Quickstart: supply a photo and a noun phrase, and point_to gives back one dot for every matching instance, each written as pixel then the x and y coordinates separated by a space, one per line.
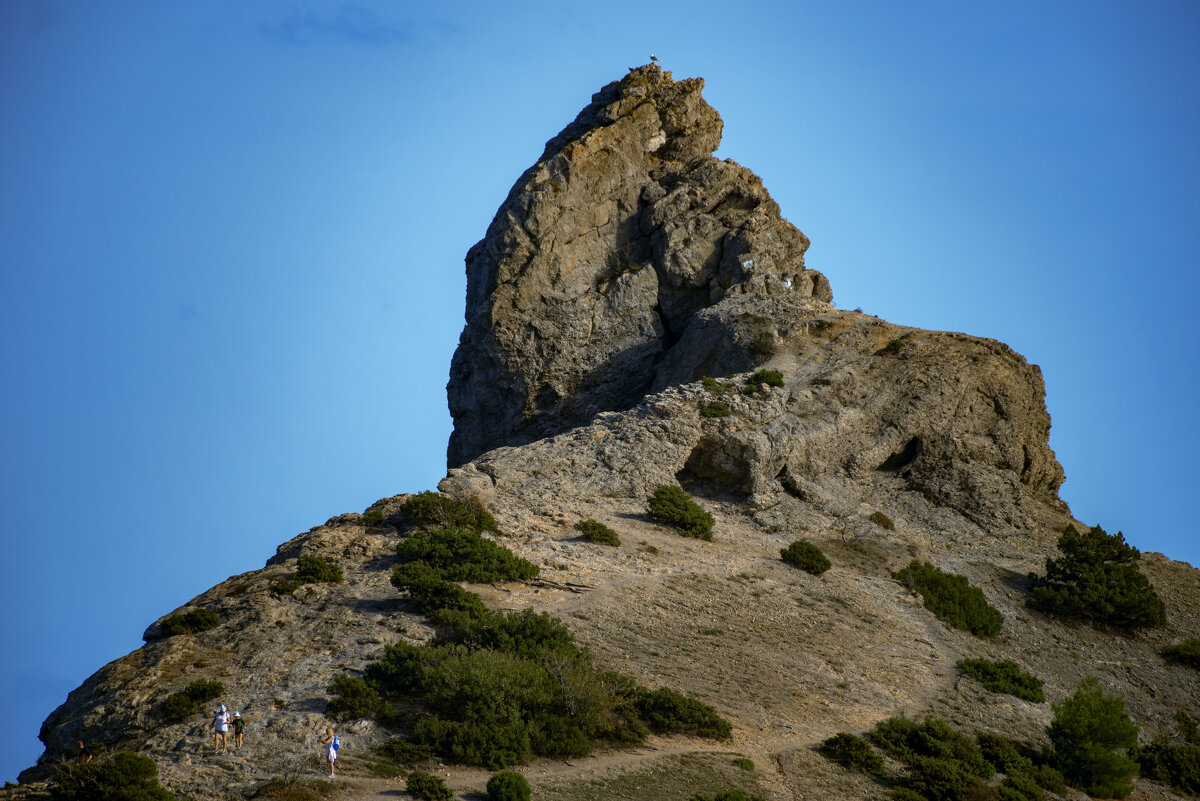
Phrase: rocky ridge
pixel 627 264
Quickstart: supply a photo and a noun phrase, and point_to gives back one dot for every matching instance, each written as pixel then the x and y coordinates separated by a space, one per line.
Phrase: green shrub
pixel 1187 727
pixel 882 520
pixel 353 699
pixel 1049 778
pixel 772 378
pixel 594 531
pixel 178 707
pixel 124 776
pixel 1175 764
pixel 460 554
pixel 1004 676
pixel 280 789
pixel 745 764
pixel 668 712
pixel 191 622
pixel 1018 786
pixel 181 706
pixel 671 506
pixel 374 518
pixel 1184 653
pixel 952 598
pixel 939 779
pixel 1006 755
pixel 805 556
pixel 403 752
pixel 525 633
pixel 427 787
pixel 711 384
pixel 1096 579
pixel 1089 732
pixel 315 570
pixel 202 690
pixel 715 409
pixel 908 741
pixel 507 785
pixel 727 795
pixel 852 753
pixel 433 510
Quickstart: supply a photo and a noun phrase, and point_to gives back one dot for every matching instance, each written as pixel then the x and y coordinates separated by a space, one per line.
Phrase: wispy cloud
pixel 349 23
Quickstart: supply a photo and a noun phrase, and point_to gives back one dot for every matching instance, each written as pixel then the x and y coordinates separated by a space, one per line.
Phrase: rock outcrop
pixel 601 256
pixel 617 312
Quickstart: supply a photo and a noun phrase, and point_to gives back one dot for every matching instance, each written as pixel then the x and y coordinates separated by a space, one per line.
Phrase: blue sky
pixel 231 243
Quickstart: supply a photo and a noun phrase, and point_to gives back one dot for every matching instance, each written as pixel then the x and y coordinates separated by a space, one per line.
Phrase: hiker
pixel 239 726
pixel 220 726
pixel 331 744
pixel 83 755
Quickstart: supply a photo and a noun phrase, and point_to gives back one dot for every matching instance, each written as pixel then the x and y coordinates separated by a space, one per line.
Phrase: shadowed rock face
pixel 599 259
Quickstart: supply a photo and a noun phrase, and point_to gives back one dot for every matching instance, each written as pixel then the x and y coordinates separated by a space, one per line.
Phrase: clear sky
pixel 231 244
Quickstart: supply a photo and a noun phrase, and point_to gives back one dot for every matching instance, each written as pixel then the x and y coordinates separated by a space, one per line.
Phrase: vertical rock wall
pixel 599 259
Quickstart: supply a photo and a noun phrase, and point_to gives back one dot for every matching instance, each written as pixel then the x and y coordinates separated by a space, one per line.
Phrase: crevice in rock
pixel 670 337
pixel 903 457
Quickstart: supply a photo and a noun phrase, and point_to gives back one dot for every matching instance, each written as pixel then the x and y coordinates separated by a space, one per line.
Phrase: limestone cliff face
pixel 601 256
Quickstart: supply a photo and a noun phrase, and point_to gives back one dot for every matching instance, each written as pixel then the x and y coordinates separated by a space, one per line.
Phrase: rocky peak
pixel 596 264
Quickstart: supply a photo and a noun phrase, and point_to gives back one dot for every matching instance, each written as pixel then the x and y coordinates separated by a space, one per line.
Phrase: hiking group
pixel 222 723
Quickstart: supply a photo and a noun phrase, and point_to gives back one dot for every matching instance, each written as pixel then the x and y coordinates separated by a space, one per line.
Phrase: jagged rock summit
pixel 624 267
pixel 598 261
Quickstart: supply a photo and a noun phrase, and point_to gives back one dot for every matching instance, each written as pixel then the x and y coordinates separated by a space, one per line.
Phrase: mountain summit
pixel 639 317
pixel 599 260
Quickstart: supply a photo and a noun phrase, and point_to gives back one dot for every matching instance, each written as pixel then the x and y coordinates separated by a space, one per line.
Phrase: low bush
pixel 353 699
pixel 1096 578
pixel 771 378
pixel 908 741
pixel 1006 755
pixel 180 706
pixel 1018 786
pixel 952 598
pixel 1091 736
pixel 124 776
pixel 745 764
pixel 852 753
pixel 191 622
pixel 595 531
pixel 1004 676
pixel 280 789
pixel 727 795
pixel 668 712
pixel 427 787
pixel 671 506
pixel 938 779
pixel 507 785
pixel 402 752
pixel 882 520
pixel 805 556
pixel 715 409
pixel 1174 764
pixel 374 518
pixel 1184 653
pixel 315 570
pixel 434 510
pixel 460 554
pixel 1187 727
